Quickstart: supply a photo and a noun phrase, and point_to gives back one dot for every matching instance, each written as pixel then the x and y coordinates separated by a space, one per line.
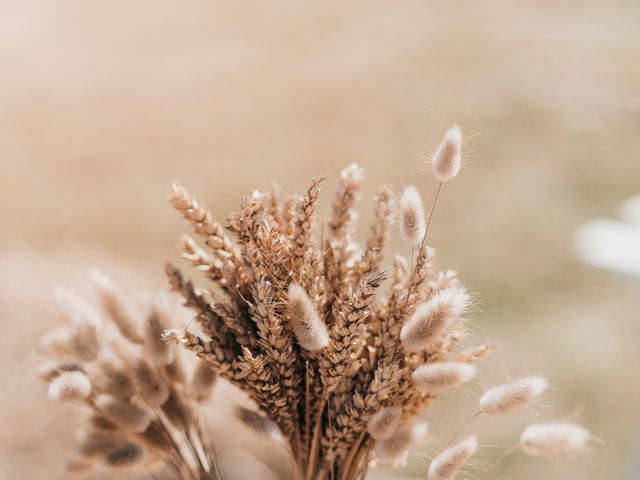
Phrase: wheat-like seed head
pixel 403 439
pixel 434 320
pixel 308 327
pixel 447 159
pixel 70 386
pixel 151 387
pixel 204 378
pixel 448 463
pixel 383 423
pixel 512 396
pixel 411 216
pixel 125 415
pixel 124 456
pixel 553 439
pixel 258 423
pixel 433 377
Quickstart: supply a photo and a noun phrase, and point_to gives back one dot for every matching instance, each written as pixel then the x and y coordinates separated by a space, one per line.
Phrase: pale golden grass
pixel 295 317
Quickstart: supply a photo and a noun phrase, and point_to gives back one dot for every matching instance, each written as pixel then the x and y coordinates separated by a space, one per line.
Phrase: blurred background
pixel 102 104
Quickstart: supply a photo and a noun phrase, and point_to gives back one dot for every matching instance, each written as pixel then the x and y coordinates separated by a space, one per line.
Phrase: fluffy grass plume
pixel 553 439
pixel 448 463
pixel 513 396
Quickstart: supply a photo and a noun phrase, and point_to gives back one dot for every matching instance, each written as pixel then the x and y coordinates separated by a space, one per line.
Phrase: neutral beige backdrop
pixel 103 103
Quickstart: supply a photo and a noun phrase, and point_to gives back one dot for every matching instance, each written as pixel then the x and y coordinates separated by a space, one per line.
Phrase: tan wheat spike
pixel 204 262
pixel 346 195
pixel 302 252
pixel 211 323
pixel 339 249
pixel 346 335
pixel 202 221
pixel 379 235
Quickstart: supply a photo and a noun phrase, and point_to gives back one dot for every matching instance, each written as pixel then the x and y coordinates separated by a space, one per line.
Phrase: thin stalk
pixel 463 426
pixel 500 459
pixel 315 444
pixel 423 244
pixel 352 454
pixel 307 412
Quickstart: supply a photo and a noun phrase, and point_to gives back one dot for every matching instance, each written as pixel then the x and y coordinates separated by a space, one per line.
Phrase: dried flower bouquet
pixel 338 362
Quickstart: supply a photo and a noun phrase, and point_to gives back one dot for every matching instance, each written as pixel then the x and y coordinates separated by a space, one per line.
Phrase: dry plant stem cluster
pixel 338 363
pixel 141 404
pixel 304 328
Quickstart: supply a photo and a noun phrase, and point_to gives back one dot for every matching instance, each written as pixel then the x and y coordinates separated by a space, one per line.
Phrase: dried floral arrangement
pixel 298 317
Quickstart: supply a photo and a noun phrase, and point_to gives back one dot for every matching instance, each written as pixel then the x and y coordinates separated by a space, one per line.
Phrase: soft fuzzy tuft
pixel 434 377
pixel 411 216
pixel 447 465
pixel 513 396
pixel 70 386
pixel 553 439
pixel 384 422
pixel 434 320
pixel 447 159
pixel 308 327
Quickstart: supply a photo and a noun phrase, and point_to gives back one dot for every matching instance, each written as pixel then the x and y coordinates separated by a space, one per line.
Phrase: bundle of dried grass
pixel 141 405
pixel 337 368
pixel 301 324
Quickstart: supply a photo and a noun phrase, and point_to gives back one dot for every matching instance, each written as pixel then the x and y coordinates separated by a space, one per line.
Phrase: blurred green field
pixel 102 104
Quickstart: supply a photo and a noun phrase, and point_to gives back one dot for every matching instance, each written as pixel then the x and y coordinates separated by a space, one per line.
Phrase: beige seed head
pixel 125 415
pixel 115 380
pixel 384 422
pixel 49 371
pixel 70 386
pixel 513 396
pixel 125 456
pixel 156 437
pixel 411 216
pixel 84 342
pixel 152 388
pixel 258 423
pixel 204 378
pixel 403 439
pixel 309 329
pixel 447 465
pixel 553 439
pixel 155 324
pixel 447 159
pixel 434 377
pixel 99 422
pixel 100 442
pixel 176 410
pixel 476 353
pixel 434 320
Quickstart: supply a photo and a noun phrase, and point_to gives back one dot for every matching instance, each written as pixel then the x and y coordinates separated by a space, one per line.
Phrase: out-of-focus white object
pixel 630 210
pixel 613 244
